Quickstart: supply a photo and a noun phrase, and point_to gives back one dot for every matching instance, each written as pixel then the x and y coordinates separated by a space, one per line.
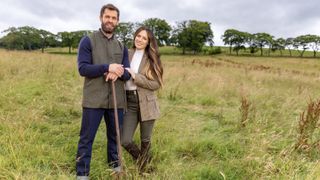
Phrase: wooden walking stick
pixel 116 119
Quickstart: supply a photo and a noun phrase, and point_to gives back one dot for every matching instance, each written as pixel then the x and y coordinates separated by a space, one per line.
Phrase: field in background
pixel 171 50
pixel 199 136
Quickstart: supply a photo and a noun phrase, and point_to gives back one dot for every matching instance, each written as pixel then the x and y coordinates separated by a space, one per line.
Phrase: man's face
pixel 109 20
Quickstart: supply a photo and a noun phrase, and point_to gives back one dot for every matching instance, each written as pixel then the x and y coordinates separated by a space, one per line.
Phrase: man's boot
pixel 133 150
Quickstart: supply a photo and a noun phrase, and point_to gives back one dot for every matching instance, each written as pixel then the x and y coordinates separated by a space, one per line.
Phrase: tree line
pixel 189 35
pixel 239 40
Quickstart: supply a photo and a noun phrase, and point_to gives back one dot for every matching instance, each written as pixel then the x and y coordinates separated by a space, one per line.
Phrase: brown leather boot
pixel 133 150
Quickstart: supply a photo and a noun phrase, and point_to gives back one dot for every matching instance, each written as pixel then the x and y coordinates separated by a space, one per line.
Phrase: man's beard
pixel 108 30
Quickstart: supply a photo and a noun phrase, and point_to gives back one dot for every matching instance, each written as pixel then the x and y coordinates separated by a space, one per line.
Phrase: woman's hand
pixel 133 75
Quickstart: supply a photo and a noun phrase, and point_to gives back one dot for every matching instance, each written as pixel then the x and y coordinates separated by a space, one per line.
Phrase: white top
pixel 134 66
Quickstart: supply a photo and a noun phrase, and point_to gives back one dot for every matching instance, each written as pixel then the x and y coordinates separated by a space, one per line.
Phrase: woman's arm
pixel 142 81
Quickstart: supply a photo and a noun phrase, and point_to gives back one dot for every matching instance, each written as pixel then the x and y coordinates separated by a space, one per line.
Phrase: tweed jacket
pixel 149 107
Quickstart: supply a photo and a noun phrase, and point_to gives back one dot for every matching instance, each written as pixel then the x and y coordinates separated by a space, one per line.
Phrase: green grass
pixel 198 135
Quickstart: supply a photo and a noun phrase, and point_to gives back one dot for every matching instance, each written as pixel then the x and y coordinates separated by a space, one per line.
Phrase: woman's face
pixel 141 40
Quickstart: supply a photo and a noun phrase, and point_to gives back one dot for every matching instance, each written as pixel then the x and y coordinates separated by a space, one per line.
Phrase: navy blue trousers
pixel 91 119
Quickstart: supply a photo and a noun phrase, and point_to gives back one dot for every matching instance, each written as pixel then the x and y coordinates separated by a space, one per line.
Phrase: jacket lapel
pixel 143 61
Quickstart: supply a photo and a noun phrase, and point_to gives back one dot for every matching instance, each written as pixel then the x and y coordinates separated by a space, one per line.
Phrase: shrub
pixel 215 50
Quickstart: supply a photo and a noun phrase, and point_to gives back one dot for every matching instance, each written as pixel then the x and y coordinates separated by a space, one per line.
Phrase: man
pixel 101 59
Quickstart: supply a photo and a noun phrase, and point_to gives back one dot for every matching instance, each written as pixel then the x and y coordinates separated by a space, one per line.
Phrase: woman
pixel 146 72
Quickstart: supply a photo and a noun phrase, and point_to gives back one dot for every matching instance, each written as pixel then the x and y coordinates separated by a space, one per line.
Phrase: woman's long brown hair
pixel 152 51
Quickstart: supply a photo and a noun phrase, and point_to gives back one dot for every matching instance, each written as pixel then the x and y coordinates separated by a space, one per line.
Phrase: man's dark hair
pixel 110 7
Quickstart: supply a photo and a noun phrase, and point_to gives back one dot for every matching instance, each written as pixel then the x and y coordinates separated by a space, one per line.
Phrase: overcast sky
pixel 280 18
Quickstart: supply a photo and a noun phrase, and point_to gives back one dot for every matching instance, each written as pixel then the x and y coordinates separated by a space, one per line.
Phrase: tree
pixel 22 38
pixel 193 35
pixel 160 28
pixel 71 39
pixel 31 36
pixel 125 32
pixel 263 39
pixel 77 36
pixel 301 43
pixel 200 34
pixel 180 36
pixel 278 44
pixel 28 38
pixel 251 41
pixel 289 44
pixel 66 39
pixel 13 39
pixel 314 42
pixel 228 38
pixel 47 39
pixel 237 38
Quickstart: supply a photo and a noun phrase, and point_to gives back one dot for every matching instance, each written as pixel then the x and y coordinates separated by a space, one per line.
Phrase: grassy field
pixel 223 117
